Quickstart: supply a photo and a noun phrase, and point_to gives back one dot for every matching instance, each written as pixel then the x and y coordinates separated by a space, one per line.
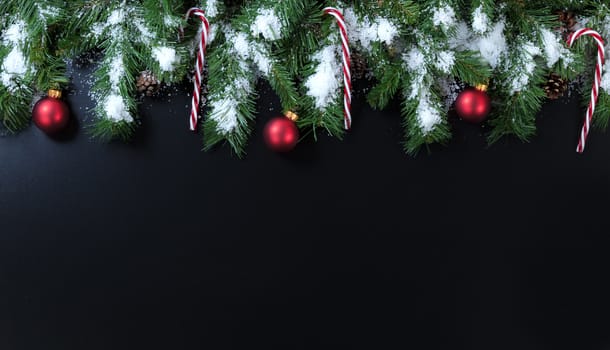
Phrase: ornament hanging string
pixel 205 29
pixel 347 73
pixel 596 81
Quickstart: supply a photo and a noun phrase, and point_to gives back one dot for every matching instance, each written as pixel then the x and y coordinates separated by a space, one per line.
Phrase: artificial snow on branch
pixel 132 37
pixel 28 63
pixel 246 54
pixel 422 53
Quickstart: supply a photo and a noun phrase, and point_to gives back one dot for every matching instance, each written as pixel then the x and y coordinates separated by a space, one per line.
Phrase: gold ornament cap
pixel 291 115
pixel 482 87
pixel 53 93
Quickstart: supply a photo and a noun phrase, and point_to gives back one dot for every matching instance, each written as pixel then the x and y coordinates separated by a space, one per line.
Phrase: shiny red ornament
pixel 473 105
pixel 281 134
pixel 50 114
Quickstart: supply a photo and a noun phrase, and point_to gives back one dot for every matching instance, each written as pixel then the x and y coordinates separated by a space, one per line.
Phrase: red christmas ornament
pixel 50 114
pixel 473 105
pixel 281 133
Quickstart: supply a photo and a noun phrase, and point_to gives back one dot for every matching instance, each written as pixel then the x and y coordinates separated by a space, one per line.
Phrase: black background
pixel 339 244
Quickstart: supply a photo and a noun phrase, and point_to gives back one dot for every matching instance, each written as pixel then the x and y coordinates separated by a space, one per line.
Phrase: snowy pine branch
pixel 133 36
pixel 231 83
pixel 248 53
pixel 422 53
pixel 28 63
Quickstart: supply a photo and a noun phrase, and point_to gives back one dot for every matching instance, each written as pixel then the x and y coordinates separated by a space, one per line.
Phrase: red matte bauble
pixel 50 115
pixel 281 134
pixel 473 105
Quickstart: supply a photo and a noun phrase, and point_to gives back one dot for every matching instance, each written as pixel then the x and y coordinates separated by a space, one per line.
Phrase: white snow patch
pixel 323 84
pixel 428 111
pixel 225 111
pixel 212 33
pixel 445 61
pixel 15 33
pixel 211 8
pixel 146 36
pixel 116 110
pixel 243 87
pixel 386 31
pixel 480 21
pixel 13 68
pixel 416 64
pixel 167 58
pixel 171 21
pixel 554 49
pixel 415 59
pixel 248 50
pixel 365 31
pixel 493 45
pixel 262 61
pixel 116 72
pixel 116 17
pixel 462 38
pixel 444 16
pixel 47 12
pixel 428 115
pixel 113 22
pixel 97 29
pixel 240 44
pixel 527 64
pixel 267 24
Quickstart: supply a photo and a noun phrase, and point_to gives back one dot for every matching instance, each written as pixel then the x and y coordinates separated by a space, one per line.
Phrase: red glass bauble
pixel 50 115
pixel 473 105
pixel 281 134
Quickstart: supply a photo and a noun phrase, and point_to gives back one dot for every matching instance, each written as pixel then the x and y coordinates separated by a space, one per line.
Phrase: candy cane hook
pixel 347 72
pixel 596 81
pixel 205 29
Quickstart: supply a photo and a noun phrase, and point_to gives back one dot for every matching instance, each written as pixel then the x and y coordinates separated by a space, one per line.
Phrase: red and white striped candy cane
pixel 597 80
pixel 205 29
pixel 347 67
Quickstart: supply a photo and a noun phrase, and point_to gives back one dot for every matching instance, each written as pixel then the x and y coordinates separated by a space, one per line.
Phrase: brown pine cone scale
pixel 555 86
pixel 147 83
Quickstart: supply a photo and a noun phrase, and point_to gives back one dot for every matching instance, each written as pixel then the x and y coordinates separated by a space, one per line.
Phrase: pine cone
pixel 359 66
pixel 555 86
pixel 147 83
pixel 568 23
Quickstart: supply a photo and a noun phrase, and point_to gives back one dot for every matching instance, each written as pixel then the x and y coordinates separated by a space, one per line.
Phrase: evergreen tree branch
pixel 390 77
pixel 517 116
